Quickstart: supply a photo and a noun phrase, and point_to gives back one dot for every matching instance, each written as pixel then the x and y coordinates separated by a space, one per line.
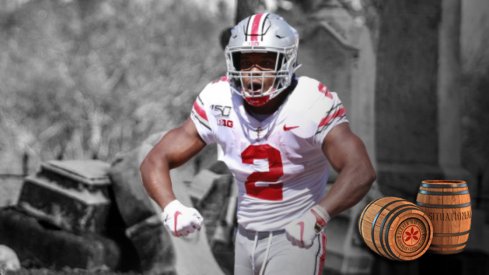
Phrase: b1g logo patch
pixel 225 122
pixel 411 235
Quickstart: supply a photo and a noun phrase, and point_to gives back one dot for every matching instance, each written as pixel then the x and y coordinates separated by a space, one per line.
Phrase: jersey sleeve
pixel 334 114
pixel 200 116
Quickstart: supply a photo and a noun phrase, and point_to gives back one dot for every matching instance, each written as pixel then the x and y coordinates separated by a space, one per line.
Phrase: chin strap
pixel 257 101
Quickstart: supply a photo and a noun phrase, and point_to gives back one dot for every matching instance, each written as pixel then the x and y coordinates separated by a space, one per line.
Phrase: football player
pixel 277 132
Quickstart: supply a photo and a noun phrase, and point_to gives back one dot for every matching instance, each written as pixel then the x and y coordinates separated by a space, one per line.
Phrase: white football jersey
pixel 278 163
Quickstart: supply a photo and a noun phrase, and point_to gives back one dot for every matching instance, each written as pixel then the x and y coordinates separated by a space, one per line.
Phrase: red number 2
pixel 275 171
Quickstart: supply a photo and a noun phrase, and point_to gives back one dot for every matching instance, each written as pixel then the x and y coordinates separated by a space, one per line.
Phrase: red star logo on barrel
pixel 411 235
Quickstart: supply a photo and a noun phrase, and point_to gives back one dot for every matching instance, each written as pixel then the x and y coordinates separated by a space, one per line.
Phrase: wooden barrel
pixel 447 203
pixel 395 228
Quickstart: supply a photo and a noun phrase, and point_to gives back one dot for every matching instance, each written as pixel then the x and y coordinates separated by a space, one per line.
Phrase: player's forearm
pixel 155 174
pixel 351 185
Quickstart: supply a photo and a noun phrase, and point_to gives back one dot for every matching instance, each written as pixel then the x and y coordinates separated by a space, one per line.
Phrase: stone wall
pixel 406 126
pixel 474 66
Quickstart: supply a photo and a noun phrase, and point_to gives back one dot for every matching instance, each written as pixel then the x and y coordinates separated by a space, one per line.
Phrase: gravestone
pixel 65 217
pixel 72 195
pixel 418 108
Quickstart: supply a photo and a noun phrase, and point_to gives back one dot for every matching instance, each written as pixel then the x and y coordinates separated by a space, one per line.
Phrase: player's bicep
pixel 342 147
pixel 178 145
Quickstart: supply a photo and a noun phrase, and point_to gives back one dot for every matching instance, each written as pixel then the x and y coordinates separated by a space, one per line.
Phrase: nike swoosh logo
pixel 175 221
pixel 289 128
pixel 301 225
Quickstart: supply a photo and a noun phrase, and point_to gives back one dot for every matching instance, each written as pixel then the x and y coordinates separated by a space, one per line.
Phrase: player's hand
pixel 181 220
pixel 302 231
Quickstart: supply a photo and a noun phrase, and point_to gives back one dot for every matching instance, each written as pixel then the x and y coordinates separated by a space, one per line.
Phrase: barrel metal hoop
pixel 375 221
pixel 448 245
pixel 449 185
pixel 443 205
pixel 451 234
pixel 448 252
pixel 425 192
pixel 388 250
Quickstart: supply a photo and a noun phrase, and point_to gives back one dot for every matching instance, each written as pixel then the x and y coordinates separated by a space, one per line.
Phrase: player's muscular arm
pixel 348 156
pixel 174 149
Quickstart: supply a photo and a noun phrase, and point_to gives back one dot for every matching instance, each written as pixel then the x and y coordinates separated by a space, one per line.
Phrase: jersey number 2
pixel 271 192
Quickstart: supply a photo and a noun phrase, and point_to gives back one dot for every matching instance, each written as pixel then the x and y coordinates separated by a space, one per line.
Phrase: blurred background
pixel 90 79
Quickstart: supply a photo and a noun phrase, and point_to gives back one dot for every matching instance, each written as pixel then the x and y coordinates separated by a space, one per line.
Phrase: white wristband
pixel 322 213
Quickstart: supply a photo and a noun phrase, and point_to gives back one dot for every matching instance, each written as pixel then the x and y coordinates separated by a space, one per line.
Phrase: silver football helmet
pixel 262 33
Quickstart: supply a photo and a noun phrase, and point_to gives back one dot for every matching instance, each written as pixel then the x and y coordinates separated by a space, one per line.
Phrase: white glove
pixel 181 220
pixel 302 231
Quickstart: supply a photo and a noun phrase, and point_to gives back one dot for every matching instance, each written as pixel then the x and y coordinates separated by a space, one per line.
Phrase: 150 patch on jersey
pixel 221 111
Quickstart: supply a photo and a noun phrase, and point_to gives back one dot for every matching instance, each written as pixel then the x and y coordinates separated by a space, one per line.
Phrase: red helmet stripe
pixel 256 24
pixel 255 27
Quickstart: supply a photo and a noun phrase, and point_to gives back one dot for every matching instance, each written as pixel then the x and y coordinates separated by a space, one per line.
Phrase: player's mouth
pixel 254 88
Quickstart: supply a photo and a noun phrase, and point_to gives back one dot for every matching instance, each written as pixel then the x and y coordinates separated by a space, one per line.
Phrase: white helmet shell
pixel 263 33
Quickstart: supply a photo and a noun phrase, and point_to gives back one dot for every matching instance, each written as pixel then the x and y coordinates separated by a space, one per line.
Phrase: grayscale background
pixel 91 79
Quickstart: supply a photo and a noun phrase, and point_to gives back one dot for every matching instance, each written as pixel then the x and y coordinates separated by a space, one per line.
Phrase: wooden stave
pixel 371 241
pixel 383 251
pixel 395 208
pixel 383 241
pixel 444 183
pixel 361 217
pixel 442 241
pixel 365 227
pixel 453 241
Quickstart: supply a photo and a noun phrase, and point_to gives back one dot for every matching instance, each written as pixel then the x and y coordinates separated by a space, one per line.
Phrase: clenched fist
pixel 302 231
pixel 181 220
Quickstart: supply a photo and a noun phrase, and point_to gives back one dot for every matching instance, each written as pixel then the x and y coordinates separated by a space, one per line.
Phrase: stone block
pixel 71 195
pixel 50 247
pixel 130 196
pixel 68 209
pixel 90 175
